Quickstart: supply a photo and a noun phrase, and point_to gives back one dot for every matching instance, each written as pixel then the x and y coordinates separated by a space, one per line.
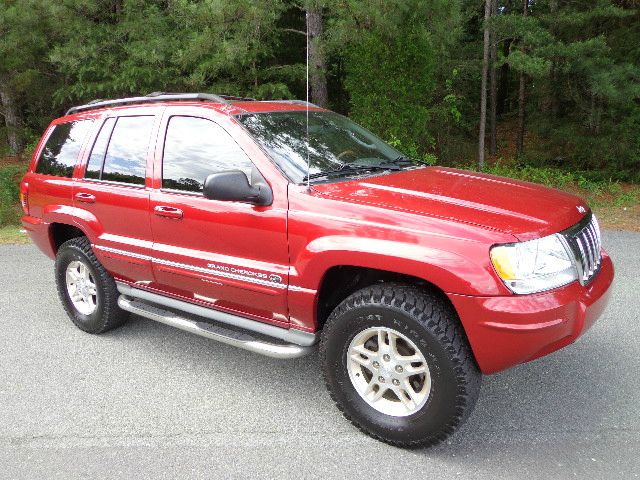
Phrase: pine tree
pixel 483 82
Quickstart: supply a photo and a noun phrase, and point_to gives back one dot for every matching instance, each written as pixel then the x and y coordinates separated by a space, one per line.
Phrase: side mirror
pixel 233 186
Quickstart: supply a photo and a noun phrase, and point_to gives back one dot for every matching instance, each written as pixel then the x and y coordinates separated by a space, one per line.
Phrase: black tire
pixel 432 324
pixel 107 314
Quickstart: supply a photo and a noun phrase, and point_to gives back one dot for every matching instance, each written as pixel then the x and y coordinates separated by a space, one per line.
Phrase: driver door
pixel 229 256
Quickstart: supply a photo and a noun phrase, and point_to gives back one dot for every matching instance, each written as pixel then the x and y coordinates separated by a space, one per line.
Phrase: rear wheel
pixel 397 363
pixel 87 291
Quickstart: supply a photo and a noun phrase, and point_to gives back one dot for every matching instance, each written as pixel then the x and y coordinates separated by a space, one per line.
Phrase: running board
pixel 287 335
pixel 214 332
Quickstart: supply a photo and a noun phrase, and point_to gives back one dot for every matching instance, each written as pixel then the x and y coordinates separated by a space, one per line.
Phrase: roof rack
pixel 295 102
pixel 158 97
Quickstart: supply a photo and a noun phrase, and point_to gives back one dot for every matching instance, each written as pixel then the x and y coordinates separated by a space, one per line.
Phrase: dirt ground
pixel 619 218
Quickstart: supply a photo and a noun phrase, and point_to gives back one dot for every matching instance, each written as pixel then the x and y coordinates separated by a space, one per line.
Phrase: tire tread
pixel 111 316
pixel 437 316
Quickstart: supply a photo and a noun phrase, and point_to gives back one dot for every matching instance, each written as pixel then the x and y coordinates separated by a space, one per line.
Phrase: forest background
pixel 544 90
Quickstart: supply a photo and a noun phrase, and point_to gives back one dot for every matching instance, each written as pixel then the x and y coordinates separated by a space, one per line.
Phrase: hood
pixel 523 209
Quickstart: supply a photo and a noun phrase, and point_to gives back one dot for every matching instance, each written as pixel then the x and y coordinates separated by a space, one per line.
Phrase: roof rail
pixel 294 102
pixel 157 97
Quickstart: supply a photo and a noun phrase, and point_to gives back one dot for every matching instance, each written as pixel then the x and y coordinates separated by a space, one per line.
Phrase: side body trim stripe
pixel 215 273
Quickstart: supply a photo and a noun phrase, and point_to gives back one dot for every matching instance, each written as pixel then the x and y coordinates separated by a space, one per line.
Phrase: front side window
pixel 126 157
pixel 194 148
pixel 60 153
pixel 334 143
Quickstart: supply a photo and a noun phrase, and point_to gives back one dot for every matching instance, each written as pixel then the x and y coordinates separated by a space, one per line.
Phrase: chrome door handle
pixel 85 197
pixel 169 212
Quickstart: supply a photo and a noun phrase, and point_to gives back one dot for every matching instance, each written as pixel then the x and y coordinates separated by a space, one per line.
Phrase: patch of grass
pixel 597 192
pixel 12 235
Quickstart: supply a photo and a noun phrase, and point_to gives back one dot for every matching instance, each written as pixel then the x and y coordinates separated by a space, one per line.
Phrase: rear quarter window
pixel 60 154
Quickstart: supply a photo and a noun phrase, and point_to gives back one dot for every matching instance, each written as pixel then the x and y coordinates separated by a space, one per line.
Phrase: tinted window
pixel 60 153
pixel 195 148
pixel 126 157
pixel 96 159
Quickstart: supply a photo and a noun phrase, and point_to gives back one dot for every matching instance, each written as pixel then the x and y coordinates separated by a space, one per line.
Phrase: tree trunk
pixel 483 86
pixel 555 96
pixel 11 118
pixel 522 98
pixel 493 87
pixel 317 61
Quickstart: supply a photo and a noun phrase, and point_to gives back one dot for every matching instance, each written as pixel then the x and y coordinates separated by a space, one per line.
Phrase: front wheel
pixel 397 363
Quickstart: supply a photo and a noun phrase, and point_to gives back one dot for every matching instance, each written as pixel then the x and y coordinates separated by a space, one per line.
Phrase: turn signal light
pixel 24 198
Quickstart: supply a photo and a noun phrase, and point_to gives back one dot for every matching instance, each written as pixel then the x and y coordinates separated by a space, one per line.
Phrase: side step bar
pixel 214 332
pixel 297 342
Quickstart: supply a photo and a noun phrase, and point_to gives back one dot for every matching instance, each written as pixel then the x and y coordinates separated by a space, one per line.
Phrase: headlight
pixel 534 266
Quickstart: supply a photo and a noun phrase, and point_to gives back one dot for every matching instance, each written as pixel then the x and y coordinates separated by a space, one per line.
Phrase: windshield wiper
pixel 348 169
pixel 399 162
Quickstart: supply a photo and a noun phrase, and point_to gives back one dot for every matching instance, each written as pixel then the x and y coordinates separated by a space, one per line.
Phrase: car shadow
pixel 567 391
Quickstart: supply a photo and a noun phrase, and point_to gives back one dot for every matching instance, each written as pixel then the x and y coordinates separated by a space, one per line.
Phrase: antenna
pixel 307 104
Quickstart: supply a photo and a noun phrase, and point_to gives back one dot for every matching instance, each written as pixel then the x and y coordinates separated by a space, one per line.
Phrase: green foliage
pixel 407 69
pixel 207 45
pixel 9 194
pixel 598 191
pixel 394 101
pixel 412 151
pixel 394 54
pixel 450 102
pixel 26 77
pixel 30 147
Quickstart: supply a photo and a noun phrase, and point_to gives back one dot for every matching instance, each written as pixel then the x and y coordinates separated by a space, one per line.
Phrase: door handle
pixel 169 212
pixel 85 197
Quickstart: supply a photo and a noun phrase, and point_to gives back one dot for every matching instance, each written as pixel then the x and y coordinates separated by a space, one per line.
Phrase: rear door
pixel 230 256
pixel 114 193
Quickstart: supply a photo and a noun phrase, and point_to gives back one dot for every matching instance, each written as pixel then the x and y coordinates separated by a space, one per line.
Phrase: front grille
pixel 586 243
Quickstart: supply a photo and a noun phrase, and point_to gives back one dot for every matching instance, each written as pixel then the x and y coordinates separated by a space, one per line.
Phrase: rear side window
pixel 120 152
pixel 194 148
pixel 96 159
pixel 126 157
pixel 60 153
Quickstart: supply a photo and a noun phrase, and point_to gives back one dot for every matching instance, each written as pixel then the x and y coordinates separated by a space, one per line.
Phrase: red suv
pixel 276 225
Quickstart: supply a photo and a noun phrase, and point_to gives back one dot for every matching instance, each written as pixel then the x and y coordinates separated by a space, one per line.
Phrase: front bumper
pixel 506 331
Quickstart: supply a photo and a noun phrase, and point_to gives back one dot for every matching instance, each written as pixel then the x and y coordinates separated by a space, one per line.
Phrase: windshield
pixel 336 144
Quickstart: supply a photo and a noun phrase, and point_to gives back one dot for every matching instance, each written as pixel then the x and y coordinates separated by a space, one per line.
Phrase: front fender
pixel 465 272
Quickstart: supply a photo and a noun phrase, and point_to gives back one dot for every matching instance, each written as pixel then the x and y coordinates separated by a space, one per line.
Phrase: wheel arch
pixel 66 222
pixel 340 281
pixel 453 265
pixel 62 232
pixel 446 265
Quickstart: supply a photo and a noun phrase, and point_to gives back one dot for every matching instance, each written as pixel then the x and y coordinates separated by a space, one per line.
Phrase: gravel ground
pixel 149 401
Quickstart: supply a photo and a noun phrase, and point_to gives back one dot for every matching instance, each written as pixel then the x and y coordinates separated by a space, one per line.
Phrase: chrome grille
pixel 586 243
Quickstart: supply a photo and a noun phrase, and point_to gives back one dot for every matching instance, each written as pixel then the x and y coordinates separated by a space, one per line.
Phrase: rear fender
pixel 78 217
